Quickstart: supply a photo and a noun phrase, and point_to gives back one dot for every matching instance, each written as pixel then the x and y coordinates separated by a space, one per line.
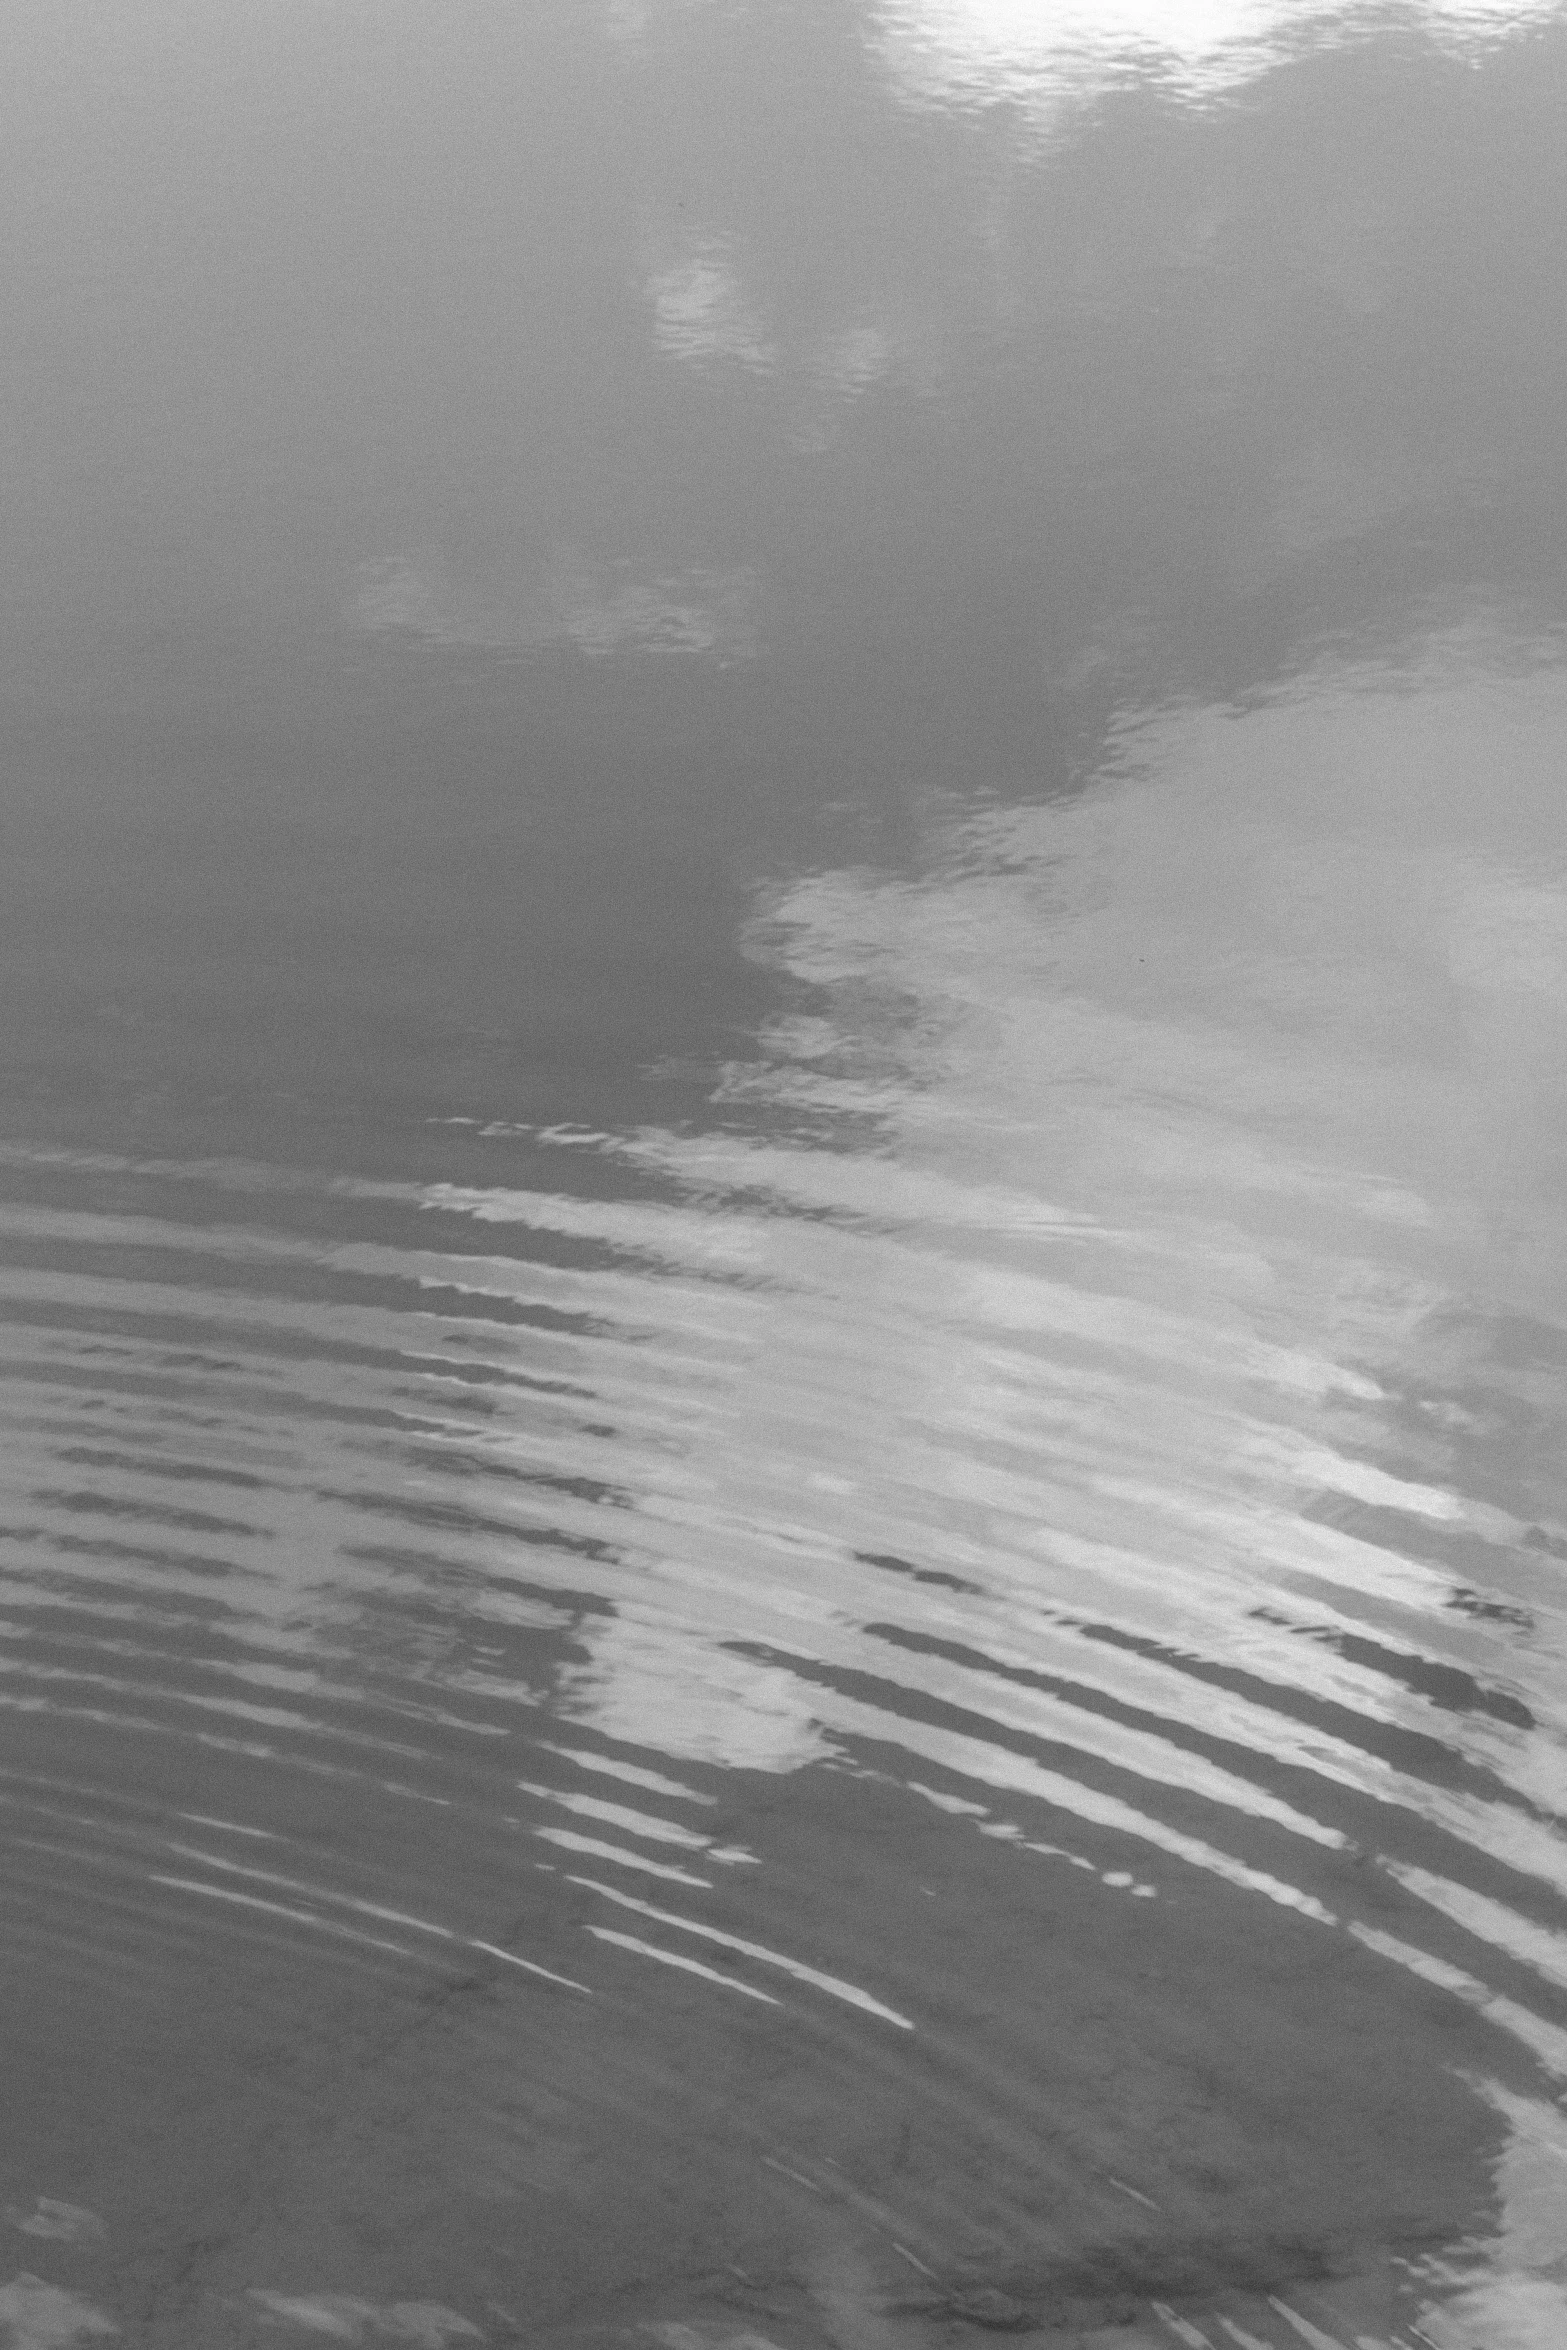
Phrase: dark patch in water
pixel 458 1521
pixel 110 1505
pixel 1491 1611
pixel 151 1464
pixel 1408 1750
pixel 1447 1686
pixel 897 1566
pixel 431 1562
pixel 589 1489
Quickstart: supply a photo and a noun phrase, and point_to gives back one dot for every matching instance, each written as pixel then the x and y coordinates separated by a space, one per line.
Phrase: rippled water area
pixel 783 1140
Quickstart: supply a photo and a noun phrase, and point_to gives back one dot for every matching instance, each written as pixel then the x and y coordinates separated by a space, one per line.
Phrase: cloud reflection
pixel 1090 1387
pixel 1044 58
pixel 701 312
pixel 1208 1151
pixel 618 607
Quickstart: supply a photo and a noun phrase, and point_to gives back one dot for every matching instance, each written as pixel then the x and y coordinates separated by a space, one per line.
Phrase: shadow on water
pixel 781 1274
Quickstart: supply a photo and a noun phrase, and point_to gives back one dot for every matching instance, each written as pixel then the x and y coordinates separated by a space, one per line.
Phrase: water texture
pixel 782 1285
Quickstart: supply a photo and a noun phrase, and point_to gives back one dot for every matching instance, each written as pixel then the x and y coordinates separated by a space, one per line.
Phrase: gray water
pixel 783 1291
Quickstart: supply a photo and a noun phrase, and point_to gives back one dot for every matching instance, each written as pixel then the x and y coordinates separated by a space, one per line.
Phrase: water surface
pixel 782 1131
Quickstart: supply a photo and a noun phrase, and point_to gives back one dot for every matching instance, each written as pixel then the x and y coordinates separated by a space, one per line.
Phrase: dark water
pixel 784 1298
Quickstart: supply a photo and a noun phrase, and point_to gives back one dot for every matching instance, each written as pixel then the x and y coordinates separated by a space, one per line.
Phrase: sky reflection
pixel 782 1304
pixel 1048 59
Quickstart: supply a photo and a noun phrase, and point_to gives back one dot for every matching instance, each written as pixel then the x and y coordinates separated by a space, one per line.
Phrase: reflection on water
pixel 1044 59
pixel 1094 1388
pixel 782 1289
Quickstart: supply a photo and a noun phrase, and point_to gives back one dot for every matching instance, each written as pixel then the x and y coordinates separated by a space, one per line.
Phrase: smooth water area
pixel 783 1114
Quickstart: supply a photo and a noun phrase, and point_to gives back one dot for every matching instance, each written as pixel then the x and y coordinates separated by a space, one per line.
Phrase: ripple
pixel 1003 1550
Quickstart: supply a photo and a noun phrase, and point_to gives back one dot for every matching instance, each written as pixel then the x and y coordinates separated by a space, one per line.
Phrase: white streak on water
pixel 528 1965
pixel 634 1773
pixel 199 1819
pixel 832 1984
pixel 278 1909
pixel 569 1842
pixel 1312 2335
pixel 994 1766
pixel 61 2223
pixel 1533 1945
pixel 619 1815
pixel 40 2316
pixel 674 1958
pixel 428 2325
